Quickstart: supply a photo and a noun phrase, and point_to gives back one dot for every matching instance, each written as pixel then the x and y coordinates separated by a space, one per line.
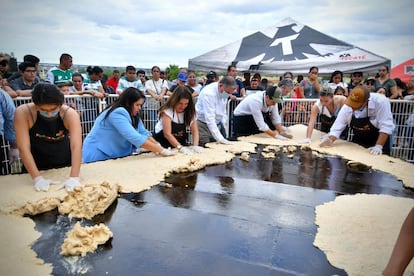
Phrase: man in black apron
pixel 370 117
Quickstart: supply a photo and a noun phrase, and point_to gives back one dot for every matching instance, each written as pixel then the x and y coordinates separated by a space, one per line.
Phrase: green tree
pixel 172 71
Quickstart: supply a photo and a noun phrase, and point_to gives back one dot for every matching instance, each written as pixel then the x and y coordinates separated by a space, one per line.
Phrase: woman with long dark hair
pixel 175 116
pixel 118 131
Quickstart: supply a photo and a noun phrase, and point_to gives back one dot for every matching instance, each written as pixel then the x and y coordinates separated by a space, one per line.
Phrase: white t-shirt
pixel 175 117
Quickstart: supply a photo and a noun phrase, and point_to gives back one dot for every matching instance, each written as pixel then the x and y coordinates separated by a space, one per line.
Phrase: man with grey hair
pixel 211 110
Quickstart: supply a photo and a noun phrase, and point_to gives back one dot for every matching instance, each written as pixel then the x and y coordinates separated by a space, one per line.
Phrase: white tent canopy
pixel 289 46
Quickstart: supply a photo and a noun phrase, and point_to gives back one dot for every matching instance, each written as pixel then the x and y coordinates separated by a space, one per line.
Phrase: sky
pixel 147 33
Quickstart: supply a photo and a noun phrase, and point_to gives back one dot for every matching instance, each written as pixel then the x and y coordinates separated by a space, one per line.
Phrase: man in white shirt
pixel 370 117
pixel 211 110
pixel 259 113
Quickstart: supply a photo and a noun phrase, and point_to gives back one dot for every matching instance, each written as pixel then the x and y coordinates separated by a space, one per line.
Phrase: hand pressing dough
pixel 81 240
pixel 89 201
pixel 358 232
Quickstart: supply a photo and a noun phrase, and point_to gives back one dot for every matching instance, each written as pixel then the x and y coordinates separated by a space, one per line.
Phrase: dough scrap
pixel 245 156
pixel 41 206
pixel 81 240
pixel 89 200
pixel 17 258
pixel 358 232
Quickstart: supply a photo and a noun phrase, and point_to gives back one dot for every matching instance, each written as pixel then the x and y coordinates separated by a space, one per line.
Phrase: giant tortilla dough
pixel 17 236
pixel 358 232
pixel 81 240
pixel 89 201
pixel 402 170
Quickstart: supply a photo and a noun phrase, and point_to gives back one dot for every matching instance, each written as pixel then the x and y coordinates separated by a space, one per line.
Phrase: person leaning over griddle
pixel 259 113
pixel 370 117
pixel 118 131
pixel 175 116
pixel 49 136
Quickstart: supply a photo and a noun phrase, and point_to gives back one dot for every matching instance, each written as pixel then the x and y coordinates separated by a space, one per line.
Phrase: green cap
pixel 277 96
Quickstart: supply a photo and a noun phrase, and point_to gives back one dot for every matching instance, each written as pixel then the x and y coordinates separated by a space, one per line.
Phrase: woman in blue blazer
pixel 118 131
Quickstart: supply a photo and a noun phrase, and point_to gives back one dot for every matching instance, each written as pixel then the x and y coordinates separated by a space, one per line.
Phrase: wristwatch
pixel 179 147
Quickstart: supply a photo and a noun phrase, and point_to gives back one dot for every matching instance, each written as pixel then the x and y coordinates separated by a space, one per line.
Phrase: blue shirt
pixel 113 137
pixel 7 109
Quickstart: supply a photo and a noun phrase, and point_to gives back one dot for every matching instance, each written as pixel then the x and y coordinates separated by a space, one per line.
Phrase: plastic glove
pixel 280 137
pixel 70 184
pixel 225 142
pixel 286 135
pixel 326 141
pixel 186 150
pixel 13 155
pixel 375 150
pixel 286 129
pixel 306 141
pixel 197 149
pixel 167 152
pixel 42 184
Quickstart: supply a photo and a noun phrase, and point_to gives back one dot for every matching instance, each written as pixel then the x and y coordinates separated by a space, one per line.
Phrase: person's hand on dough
pixel 167 152
pixel 197 149
pixel 375 150
pixel 326 141
pixel 70 184
pixel 186 150
pixel 306 141
pixel 42 184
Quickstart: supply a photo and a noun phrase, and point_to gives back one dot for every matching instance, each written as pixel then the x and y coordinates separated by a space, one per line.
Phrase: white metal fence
pixel 293 111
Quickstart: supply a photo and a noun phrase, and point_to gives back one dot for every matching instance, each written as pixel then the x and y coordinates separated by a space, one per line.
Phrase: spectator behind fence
pixel 31 59
pixel 369 83
pixel 114 79
pixel 175 116
pixel 7 133
pixel 259 113
pixel 337 79
pixel 409 93
pixel 211 110
pixel 192 82
pixel 370 117
pixel 211 77
pixel 49 136
pixel 254 86
pixel 181 80
pixel 311 87
pixel 401 88
pixel 384 84
pixel 24 84
pixel 356 80
pixel 61 73
pixel 129 80
pixel 141 76
pixel 239 91
pixel 93 82
pixel 326 108
pixel 118 131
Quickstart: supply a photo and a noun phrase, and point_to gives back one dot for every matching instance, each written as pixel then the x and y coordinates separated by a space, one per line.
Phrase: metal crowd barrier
pixel 292 111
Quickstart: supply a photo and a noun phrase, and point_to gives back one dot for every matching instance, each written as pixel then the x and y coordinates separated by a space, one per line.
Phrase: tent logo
pixel 409 69
pixel 347 56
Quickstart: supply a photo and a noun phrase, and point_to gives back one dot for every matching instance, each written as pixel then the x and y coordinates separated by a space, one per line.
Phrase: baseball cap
pixel 277 95
pixel 211 75
pixel 357 97
pixel 182 76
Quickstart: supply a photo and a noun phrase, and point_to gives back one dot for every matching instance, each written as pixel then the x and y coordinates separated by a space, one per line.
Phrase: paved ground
pixel 233 219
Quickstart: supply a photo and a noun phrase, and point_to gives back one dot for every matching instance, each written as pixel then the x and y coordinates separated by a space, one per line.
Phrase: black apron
pixel 366 134
pixel 245 125
pixel 49 142
pixel 327 122
pixel 179 130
